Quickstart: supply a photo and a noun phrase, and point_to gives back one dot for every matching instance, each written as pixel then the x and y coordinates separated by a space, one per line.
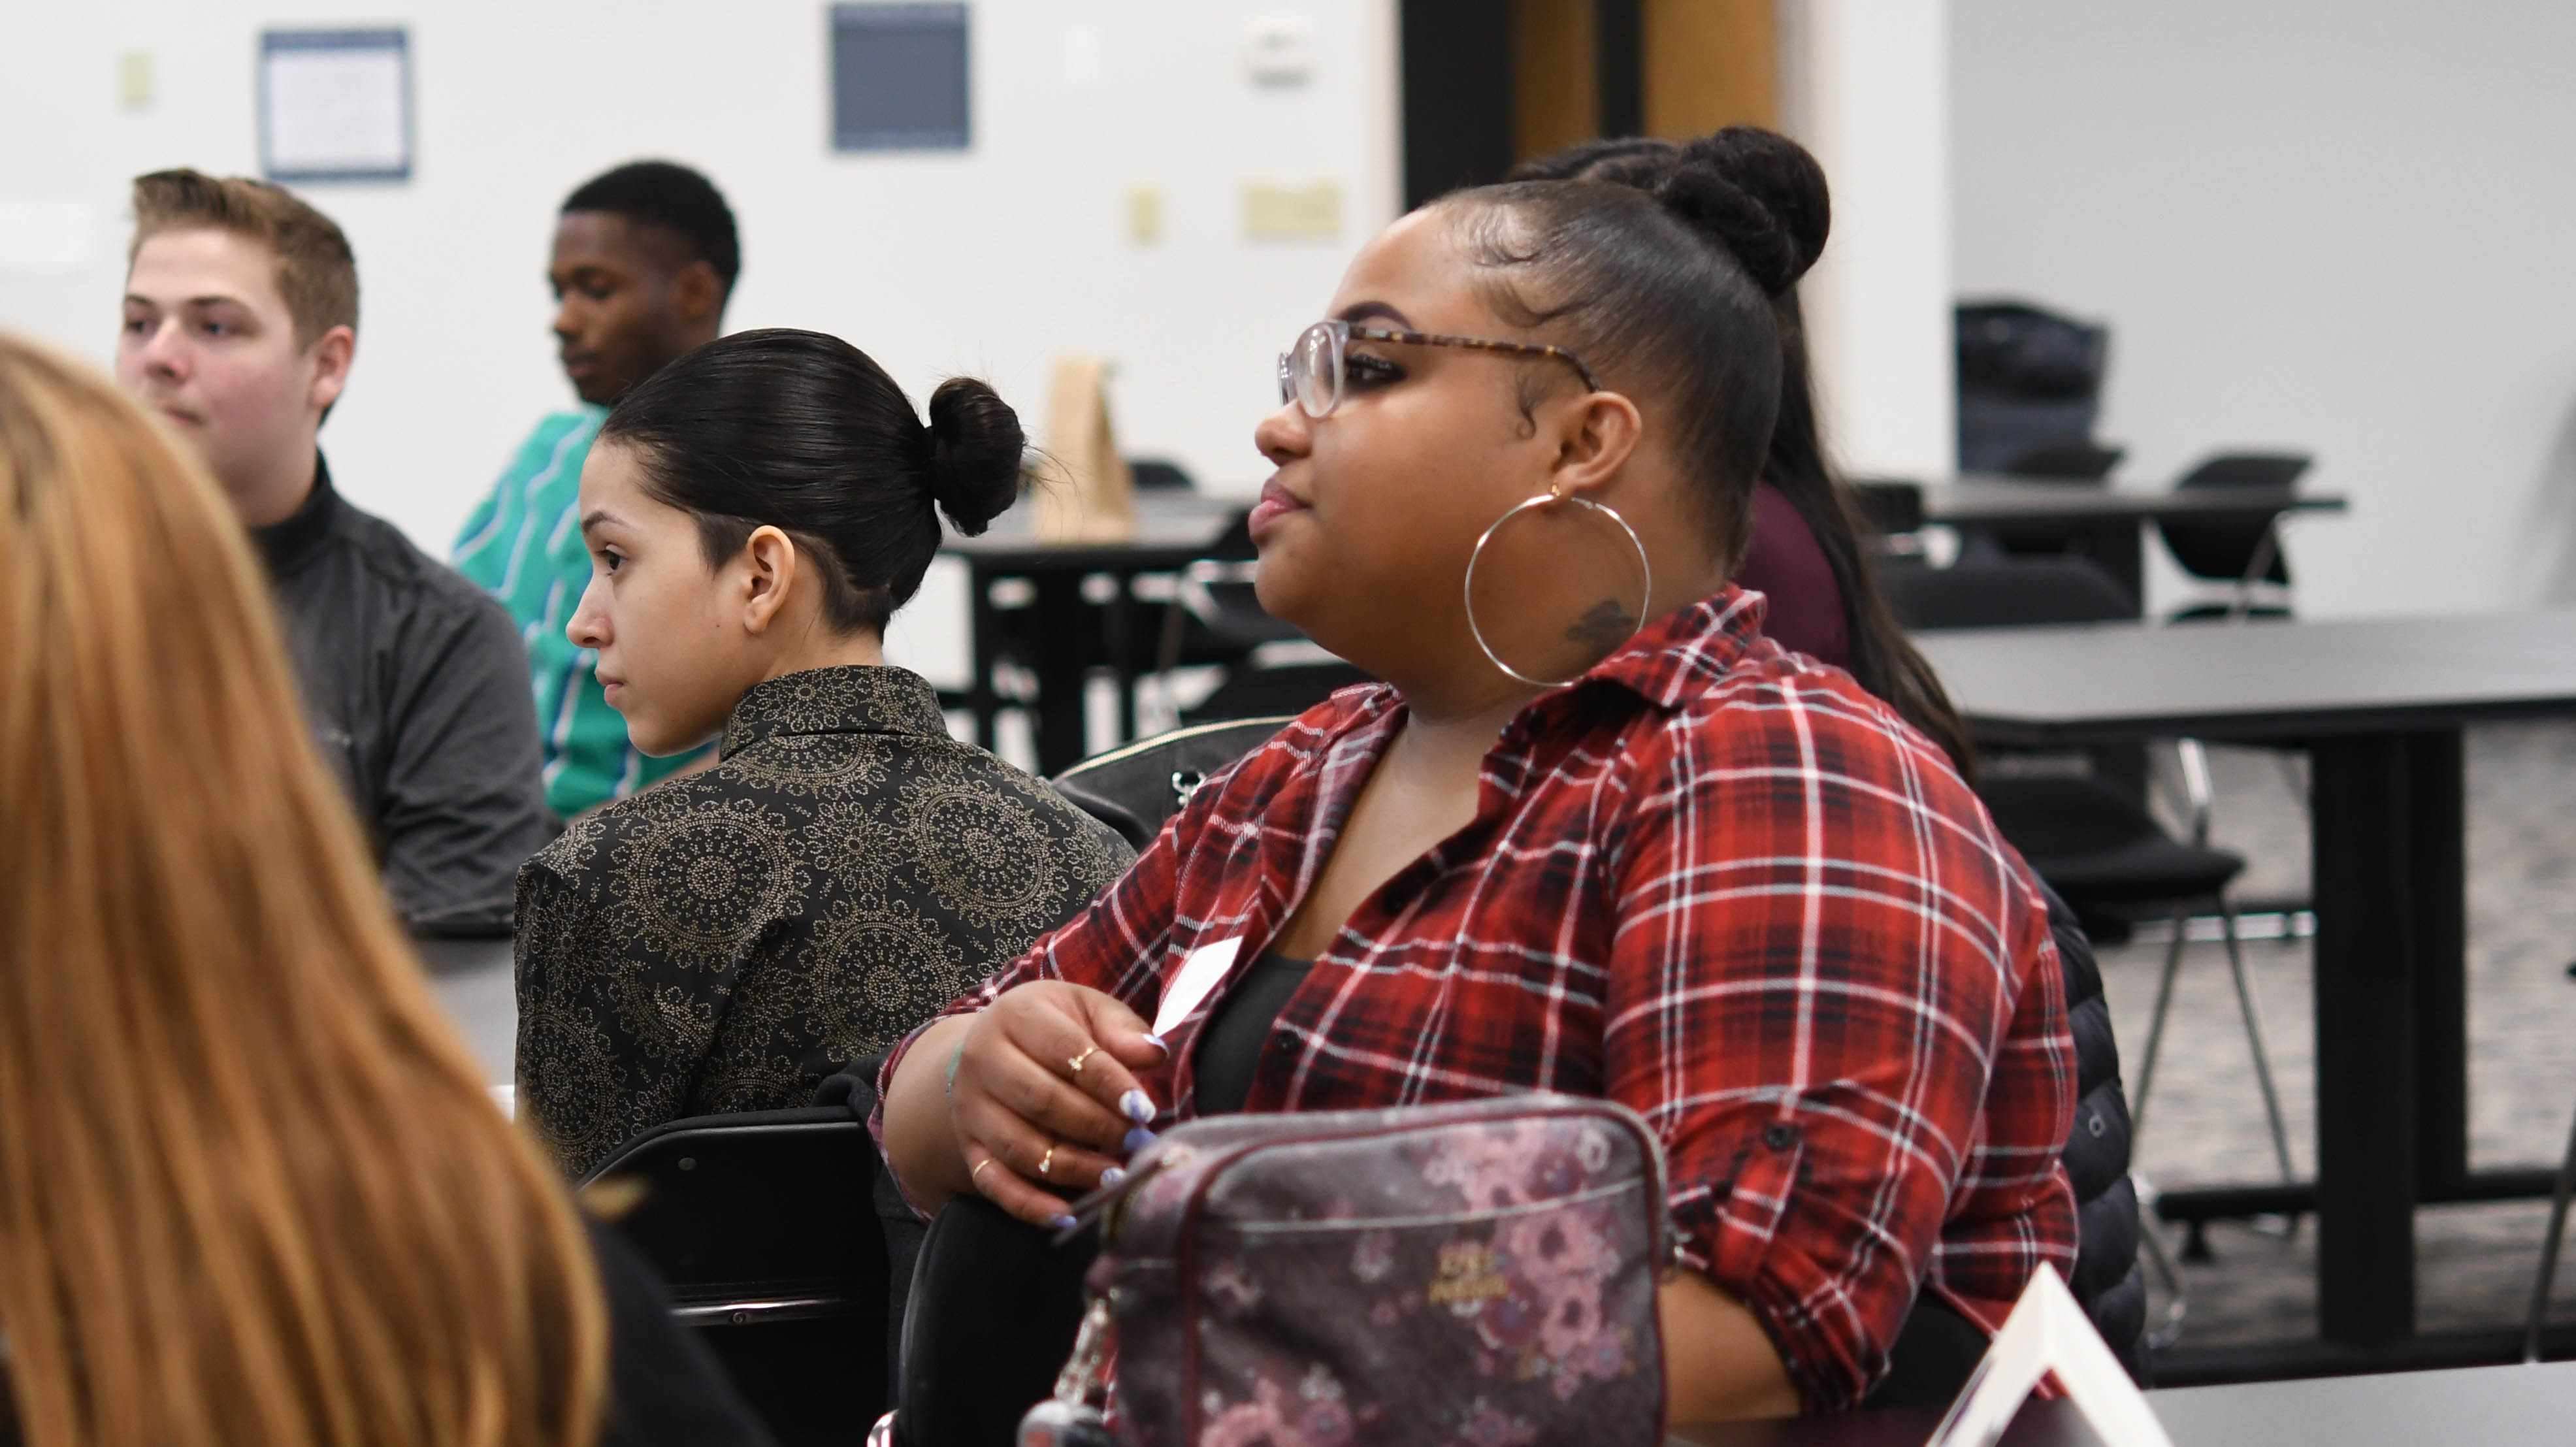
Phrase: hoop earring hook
pixel 1554 496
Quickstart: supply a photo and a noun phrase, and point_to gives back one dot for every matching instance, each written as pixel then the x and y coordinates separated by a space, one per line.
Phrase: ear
pixel 332 353
pixel 697 297
pixel 1596 435
pixel 770 563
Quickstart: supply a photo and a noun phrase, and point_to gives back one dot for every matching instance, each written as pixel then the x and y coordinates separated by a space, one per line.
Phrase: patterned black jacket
pixel 722 941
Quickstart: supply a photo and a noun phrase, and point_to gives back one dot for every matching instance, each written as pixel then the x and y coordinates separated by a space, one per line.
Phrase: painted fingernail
pixel 1159 1042
pixel 1111 1177
pixel 1064 1223
pixel 1138 1139
pixel 1137 1107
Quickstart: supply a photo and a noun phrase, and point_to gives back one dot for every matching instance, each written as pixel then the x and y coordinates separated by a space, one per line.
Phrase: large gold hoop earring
pixel 1556 498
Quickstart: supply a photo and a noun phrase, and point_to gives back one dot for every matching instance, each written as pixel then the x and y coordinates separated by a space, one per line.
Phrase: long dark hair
pixel 1774 174
pixel 805 433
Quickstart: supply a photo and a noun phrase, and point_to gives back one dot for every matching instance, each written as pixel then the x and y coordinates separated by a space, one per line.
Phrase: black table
pixel 2492 1406
pixel 2107 520
pixel 2379 707
pixel 1064 634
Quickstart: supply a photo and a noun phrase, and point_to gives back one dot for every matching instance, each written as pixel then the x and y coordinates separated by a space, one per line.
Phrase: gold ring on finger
pixel 977 1175
pixel 1046 1162
pixel 1087 1052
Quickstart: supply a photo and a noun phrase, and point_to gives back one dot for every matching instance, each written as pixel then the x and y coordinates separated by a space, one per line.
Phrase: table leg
pixel 2122 552
pixel 2437 825
pixel 1063 636
pixel 2364 870
pixel 1118 625
pixel 983 645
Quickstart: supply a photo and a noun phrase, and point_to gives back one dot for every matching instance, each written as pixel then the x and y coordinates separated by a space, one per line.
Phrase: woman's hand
pixel 1028 1102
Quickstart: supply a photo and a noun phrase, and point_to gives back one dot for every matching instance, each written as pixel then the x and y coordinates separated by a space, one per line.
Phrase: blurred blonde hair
pixel 251 1188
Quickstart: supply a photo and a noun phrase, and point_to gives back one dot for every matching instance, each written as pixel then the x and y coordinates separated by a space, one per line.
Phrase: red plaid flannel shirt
pixel 1713 881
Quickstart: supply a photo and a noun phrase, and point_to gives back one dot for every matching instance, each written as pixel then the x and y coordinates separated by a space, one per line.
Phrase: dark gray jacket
pixel 417 686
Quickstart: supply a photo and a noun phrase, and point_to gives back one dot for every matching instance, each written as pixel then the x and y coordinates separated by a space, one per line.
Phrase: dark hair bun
pixel 1636 161
pixel 1757 193
pixel 976 453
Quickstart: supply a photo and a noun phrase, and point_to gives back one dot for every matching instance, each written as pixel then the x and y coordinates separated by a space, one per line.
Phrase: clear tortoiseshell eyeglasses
pixel 1314 372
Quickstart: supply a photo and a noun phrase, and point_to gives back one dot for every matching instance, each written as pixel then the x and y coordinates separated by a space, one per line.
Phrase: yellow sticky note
pixel 1292 213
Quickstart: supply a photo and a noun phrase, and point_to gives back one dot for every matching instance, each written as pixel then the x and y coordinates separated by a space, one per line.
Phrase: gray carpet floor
pixel 2204 1123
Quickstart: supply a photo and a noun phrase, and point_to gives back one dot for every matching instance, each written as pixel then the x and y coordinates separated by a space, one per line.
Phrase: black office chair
pixel 1158 474
pixel 2027 376
pixel 1215 618
pixel 760 1225
pixel 1135 789
pixel 2244 556
pixel 995 1307
pixel 2093 842
pixel 2007 595
pixel 2065 459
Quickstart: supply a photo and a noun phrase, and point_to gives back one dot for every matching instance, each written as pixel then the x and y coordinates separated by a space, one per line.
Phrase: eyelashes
pixel 1360 373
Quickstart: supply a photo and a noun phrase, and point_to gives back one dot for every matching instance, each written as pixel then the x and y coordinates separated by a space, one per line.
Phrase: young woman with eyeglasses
pixel 1593 834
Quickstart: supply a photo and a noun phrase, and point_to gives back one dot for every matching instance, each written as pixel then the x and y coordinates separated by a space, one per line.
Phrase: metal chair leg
pixel 2156 1026
pixel 2549 1250
pixel 2178 1301
pixel 2253 1012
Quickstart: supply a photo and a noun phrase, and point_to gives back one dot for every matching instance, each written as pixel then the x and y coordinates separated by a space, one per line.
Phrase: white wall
pixel 2349 229
pixel 1866 88
pixel 990 261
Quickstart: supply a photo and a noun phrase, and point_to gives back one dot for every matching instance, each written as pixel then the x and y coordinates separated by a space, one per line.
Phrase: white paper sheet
pixel 2048 1332
pixel 336 106
pixel 1199 973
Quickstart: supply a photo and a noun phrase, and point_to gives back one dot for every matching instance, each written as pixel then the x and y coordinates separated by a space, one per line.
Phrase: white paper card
pixel 1200 971
pixel 2048 1332
pixel 335 105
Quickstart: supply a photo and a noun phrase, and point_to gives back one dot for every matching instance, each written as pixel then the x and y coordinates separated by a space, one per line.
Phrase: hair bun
pixel 1757 193
pixel 976 453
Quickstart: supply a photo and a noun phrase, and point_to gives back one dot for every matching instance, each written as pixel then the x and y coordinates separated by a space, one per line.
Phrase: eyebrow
pixel 599 515
pixel 1362 311
pixel 139 299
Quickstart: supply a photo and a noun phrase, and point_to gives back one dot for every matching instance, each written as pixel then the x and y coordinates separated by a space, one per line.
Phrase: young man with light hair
pixel 240 324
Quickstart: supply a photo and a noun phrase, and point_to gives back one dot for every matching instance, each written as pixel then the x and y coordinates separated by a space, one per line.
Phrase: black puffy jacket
pixel 2107 1280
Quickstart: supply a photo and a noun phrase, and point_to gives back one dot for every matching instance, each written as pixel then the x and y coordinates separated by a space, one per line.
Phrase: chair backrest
pixel 2006 595
pixel 2066 459
pixel 1234 543
pixel 761 1225
pixel 1889 504
pixel 1159 474
pixel 2247 469
pixel 2027 375
pixel 1137 788
pixel 995 1308
pixel 2227 551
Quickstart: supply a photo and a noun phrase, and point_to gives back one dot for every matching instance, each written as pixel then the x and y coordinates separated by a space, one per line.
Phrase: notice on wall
pixel 335 105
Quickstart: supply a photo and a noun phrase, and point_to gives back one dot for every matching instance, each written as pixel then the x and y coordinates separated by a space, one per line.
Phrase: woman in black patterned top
pixel 723 940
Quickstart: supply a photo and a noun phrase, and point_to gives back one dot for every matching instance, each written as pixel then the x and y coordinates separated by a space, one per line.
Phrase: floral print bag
pixel 1480 1274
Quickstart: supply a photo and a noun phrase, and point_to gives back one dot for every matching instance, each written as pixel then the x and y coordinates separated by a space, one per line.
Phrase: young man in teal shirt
pixel 644 259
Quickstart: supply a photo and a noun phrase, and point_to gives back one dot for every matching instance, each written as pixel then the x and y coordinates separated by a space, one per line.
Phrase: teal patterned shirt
pixel 523 546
